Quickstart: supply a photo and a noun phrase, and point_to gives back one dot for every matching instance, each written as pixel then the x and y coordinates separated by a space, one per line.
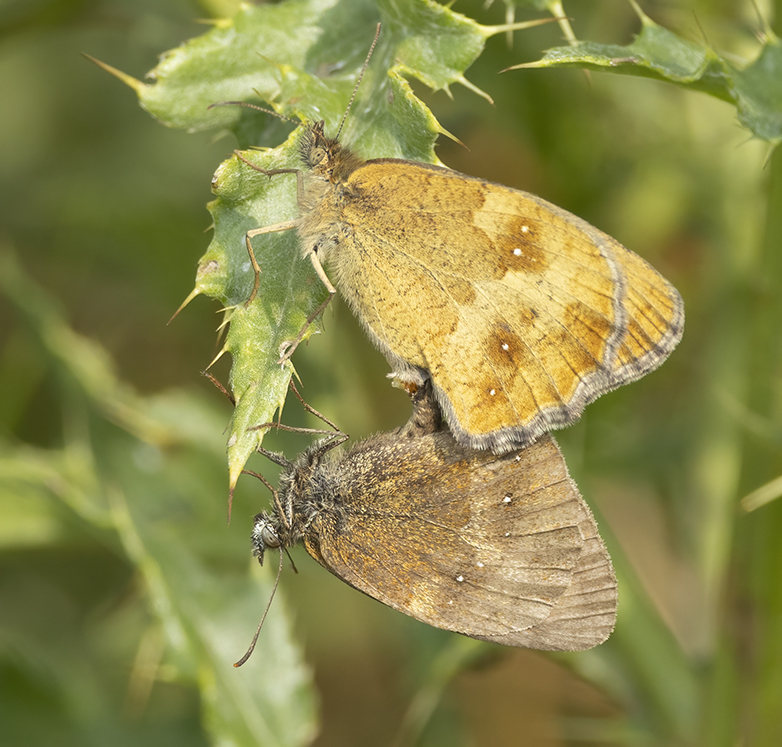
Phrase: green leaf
pixel 208 610
pixel 757 90
pixel 657 53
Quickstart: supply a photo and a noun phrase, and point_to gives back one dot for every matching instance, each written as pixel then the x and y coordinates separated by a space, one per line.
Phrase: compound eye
pixel 317 156
pixel 269 537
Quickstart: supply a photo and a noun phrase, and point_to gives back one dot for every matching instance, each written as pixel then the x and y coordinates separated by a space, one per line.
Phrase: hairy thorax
pixel 320 224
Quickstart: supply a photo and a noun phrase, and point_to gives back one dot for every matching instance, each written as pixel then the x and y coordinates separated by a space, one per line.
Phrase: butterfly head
pixel 325 156
pixel 265 535
pixel 318 151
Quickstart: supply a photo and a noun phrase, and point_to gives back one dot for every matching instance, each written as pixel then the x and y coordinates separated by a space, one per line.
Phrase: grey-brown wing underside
pixel 498 548
pixel 584 616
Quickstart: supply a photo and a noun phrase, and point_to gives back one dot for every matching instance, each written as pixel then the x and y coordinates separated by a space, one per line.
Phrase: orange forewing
pixel 521 312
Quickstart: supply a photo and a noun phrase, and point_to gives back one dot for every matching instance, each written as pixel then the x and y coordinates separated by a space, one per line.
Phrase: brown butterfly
pixel 520 312
pixel 500 548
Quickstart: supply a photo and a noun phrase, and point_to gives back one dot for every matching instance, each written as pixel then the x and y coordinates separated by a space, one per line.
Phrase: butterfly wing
pixel 585 614
pixel 492 547
pixel 521 312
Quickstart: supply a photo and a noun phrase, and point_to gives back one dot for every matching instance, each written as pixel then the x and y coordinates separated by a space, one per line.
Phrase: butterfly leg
pixel 310 409
pixel 276 228
pixel 287 349
pixel 331 441
pixel 268 172
pixel 220 386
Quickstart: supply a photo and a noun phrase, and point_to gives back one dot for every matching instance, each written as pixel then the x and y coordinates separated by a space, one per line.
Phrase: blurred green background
pixel 124 595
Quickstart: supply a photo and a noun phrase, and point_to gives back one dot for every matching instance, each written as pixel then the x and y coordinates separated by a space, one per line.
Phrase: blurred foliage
pixel 755 89
pixel 124 597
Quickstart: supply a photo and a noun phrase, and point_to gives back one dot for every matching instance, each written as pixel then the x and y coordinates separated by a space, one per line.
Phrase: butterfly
pixel 502 548
pixel 519 312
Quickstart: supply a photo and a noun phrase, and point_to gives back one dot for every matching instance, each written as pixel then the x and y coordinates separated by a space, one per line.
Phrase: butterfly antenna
pixel 253 106
pixel 250 650
pixel 358 82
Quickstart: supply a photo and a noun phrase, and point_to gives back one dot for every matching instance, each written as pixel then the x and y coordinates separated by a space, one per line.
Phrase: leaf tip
pixel 128 80
pixel 515 26
pixel 231 489
pixel 645 20
pixel 234 470
pixel 523 65
pixel 472 87
pixel 450 136
pixel 193 293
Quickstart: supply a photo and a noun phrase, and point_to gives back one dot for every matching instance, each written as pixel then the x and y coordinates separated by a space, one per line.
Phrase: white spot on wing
pixel 460 578
pixel 517 252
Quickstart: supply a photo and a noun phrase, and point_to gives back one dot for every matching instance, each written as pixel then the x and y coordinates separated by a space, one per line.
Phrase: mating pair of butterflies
pixel 508 315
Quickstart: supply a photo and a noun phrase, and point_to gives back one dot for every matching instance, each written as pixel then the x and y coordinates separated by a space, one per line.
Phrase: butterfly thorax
pixel 286 525
pixel 307 491
pixel 328 165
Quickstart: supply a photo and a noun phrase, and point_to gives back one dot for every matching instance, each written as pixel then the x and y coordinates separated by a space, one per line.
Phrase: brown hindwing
pixel 501 548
